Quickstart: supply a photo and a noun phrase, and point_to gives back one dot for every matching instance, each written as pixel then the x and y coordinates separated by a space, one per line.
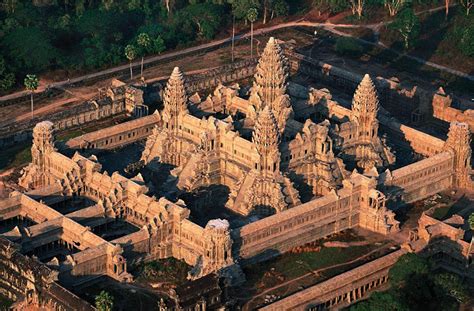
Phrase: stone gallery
pixel 263 144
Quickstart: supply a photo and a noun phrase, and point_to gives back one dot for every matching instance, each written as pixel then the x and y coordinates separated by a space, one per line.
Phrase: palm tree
pixel 252 15
pixel 144 42
pixel 130 53
pixel 471 226
pixel 104 301
pixel 31 84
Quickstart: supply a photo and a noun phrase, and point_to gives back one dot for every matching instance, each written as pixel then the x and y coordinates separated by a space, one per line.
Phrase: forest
pixel 77 36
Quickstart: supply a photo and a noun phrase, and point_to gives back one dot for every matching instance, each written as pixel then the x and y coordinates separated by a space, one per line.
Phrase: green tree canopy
pixel 407 24
pixel 29 49
pixel 104 301
pixel 408 265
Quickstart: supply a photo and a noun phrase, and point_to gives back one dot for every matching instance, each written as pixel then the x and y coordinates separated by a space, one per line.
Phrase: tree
pixel 144 42
pixel 393 6
pixel 467 5
pixel 407 25
pixel 407 265
pixel 447 3
pixel 252 15
pixel 9 6
pixel 7 79
pixel 131 54
pixel 29 49
pixel 471 226
pixel 104 301
pixel 465 36
pixel 357 6
pixel 380 301
pixel 169 4
pixel 452 286
pixel 240 8
pixel 279 8
pixel 206 18
pixel 31 84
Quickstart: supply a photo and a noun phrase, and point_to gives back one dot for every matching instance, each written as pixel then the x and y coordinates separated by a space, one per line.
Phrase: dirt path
pixel 248 305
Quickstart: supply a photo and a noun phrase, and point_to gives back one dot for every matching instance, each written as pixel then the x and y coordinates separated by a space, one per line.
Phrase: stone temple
pixel 264 144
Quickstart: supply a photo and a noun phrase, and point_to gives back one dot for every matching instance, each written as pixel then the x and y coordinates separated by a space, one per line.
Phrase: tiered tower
pixel 175 100
pixel 365 105
pixel 459 142
pixel 163 144
pixel 271 80
pixel 34 175
pixel 266 138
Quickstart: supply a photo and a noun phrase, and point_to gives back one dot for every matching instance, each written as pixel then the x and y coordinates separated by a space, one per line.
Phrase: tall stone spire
pixel 271 76
pixel 459 142
pixel 365 105
pixel 175 99
pixel 266 138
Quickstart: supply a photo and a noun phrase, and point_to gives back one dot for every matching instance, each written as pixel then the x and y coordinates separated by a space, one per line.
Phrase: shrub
pixel 346 46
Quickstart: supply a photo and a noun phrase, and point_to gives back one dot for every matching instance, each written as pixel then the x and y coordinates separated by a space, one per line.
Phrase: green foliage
pixel 165 270
pixel 29 48
pixel 240 8
pixel 205 19
pixel 252 15
pixel 334 6
pixel 408 265
pixel 407 24
pixel 415 287
pixel 31 82
pixel 452 286
pixel 348 46
pixel 465 36
pixel 104 301
pixel 471 221
pixel 7 79
pixel 144 42
pixel 130 52
pixel 280 7
pixel 380 301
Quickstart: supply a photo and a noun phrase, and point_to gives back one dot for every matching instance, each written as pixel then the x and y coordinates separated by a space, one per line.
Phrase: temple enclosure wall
pixel 102 106
pixel 418 141
pixel 116 136
pixel 27 280
pixel 342 290
pixel 350 207
pixel 418 180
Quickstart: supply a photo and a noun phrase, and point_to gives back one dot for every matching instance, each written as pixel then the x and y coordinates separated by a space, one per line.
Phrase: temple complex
pixel 264 144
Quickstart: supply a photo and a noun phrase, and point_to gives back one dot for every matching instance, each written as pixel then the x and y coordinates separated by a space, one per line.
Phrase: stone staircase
pixel 290 192
pixel 245 187
pixel 190 170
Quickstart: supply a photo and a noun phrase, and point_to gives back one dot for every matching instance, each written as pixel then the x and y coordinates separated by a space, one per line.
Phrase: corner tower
pixel 459 142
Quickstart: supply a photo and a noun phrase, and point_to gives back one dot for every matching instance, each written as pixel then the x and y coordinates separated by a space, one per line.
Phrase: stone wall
pixel 103 106
pixel 30 283
pixel 116 136
pixel 415 140
pixel 349 207
pixel 418 180
pixel 342 290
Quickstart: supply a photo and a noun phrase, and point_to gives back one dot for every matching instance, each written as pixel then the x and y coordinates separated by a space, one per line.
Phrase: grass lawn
pixel 169 270
pixel 15 156
pixel 293 265
pixel 65 136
